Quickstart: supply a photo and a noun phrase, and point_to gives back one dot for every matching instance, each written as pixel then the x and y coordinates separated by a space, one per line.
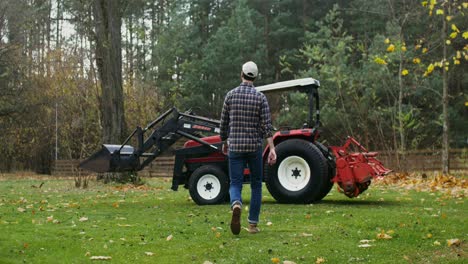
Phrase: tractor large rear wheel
pixel 299 173
pixel 209 185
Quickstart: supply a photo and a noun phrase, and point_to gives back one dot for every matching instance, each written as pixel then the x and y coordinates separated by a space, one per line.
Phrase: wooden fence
pixel 420 160
pixel 161 167
pixel 425 160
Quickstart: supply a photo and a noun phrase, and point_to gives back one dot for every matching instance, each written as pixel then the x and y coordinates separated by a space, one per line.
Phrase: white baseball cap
pixel 250 69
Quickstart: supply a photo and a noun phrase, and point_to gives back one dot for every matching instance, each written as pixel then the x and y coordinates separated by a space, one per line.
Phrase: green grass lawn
pixel 58 223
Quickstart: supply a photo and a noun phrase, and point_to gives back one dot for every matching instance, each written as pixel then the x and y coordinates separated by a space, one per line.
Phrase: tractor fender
pixel 280 136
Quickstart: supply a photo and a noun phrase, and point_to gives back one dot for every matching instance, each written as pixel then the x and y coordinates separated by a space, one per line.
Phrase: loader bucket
pixel 110 159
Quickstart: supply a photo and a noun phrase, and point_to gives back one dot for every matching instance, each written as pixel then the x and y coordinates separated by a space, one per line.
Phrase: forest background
pixel 392 72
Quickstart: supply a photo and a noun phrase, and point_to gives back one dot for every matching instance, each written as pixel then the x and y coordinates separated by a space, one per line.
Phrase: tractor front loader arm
pixel 165 131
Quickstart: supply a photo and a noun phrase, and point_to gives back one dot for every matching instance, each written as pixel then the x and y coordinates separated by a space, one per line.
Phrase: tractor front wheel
pixel 209 185
pixel 299 173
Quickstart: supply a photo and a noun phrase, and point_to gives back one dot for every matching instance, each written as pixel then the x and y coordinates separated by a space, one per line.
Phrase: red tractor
pixel 305 170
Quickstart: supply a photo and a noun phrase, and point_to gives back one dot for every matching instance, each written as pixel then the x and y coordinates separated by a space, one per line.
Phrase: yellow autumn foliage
pixel 430 68
pixel 465 35
pixel 380 61
pixel 454 28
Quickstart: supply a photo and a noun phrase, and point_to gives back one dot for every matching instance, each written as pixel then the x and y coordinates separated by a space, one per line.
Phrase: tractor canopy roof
pixel 298 84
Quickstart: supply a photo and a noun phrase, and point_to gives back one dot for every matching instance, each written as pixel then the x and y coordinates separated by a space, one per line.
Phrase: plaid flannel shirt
pixel 245 119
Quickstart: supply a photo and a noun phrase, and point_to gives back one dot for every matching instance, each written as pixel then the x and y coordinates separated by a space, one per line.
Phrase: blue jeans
pixel 237 163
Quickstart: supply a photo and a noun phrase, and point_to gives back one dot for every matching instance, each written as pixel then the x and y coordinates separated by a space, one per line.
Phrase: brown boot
pixel 253 229
pixel 235 220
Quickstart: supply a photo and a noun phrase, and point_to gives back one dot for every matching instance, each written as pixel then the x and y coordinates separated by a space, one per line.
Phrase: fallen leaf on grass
pixel 149 253
pixel 453 242
pixel 207 262
pixel 436 243
pixel 383 235
pixel 306 235
pixel 269 223
pixel 125 225
pixel 275 260
pixel 319 260
pixel 169 238
pixel 83 219
pixel 21 210
pixel 365 245
pixel 288 262
pixel 100 258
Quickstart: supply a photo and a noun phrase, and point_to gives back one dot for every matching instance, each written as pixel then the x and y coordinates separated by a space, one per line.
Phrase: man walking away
pixel 245 122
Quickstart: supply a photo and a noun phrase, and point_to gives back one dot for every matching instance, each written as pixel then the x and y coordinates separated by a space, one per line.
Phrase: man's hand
pixel 272 157
pixel 224 148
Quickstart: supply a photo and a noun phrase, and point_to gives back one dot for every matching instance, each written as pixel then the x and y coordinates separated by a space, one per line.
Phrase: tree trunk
pixel 49 29
pixel 107 18
pixel 130 54
pixel 445 131
pixel 153 35
pixel 401 128
pixel 57 36
pixel 142 56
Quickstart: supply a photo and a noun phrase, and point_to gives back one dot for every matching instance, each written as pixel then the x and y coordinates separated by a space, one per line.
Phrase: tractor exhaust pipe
pixel 112 158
